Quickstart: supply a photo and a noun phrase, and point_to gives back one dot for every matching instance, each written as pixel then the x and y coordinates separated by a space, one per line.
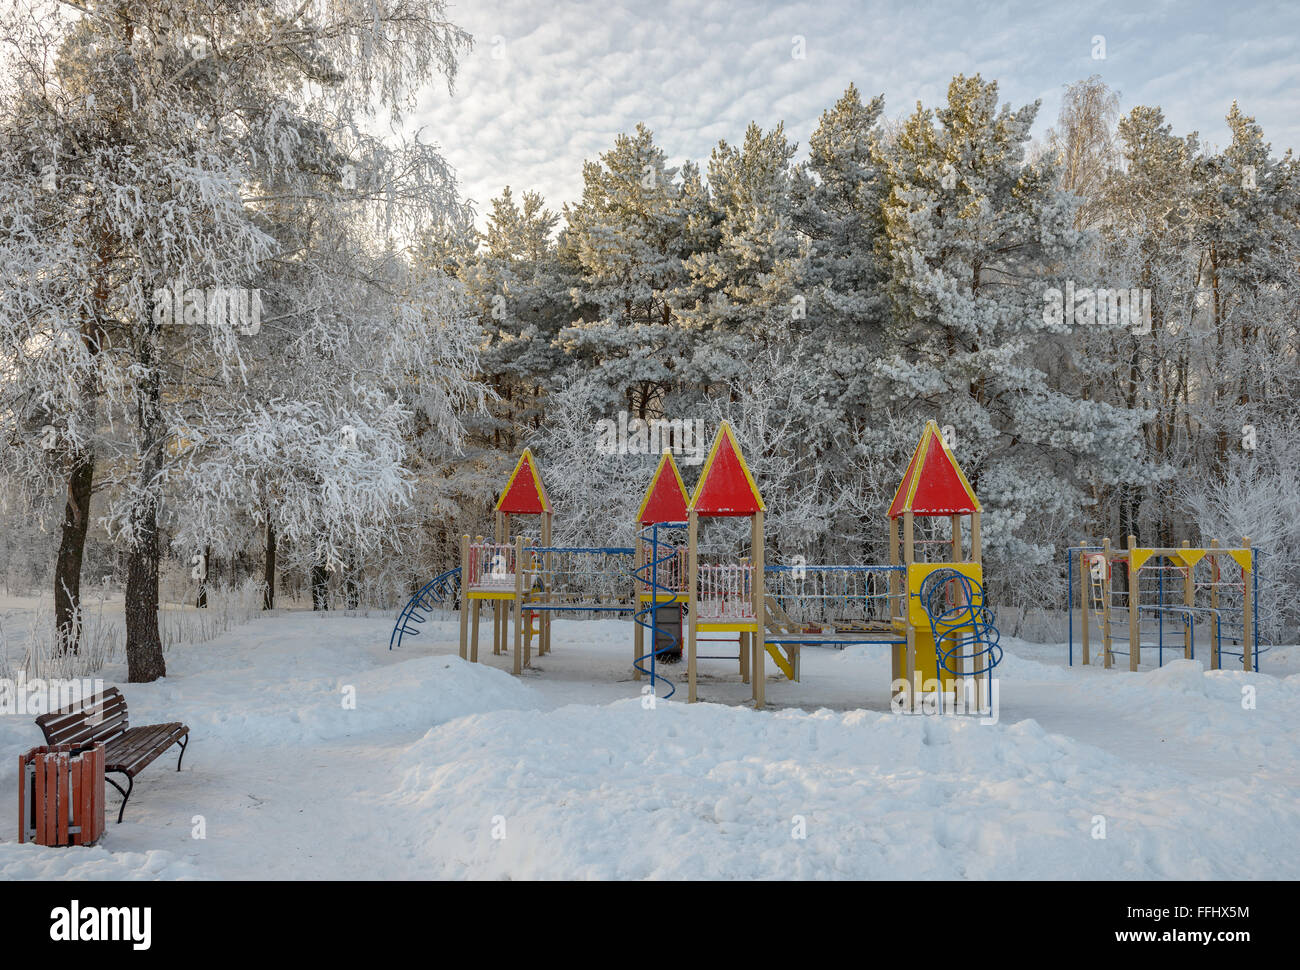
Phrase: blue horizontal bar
pixel 605 550
pixel 836 568
pixel 542 607
pixel 835 640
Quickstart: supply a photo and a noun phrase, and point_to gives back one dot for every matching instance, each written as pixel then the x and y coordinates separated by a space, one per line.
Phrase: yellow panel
pixel 787 668
pixel 1188 557
pixel 734 626
pixel 1138 558
pixel 1243 557
pixel 916 574
pixel 663 598
pixel 485 595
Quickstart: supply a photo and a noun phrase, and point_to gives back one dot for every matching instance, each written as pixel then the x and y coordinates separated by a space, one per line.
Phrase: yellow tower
pixel 933 488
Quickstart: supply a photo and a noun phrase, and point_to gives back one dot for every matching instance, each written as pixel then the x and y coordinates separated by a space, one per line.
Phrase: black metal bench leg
pixel 184 743
pixel 126 794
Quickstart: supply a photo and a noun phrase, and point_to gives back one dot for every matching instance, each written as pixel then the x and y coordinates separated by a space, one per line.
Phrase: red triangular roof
pixel 726 487
pixel 524 494
pixel 665 499
pixel 934 483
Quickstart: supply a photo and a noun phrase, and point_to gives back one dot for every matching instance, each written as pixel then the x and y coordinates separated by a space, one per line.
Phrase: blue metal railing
pixel 966 625
pixel 660 552
pixel 441 589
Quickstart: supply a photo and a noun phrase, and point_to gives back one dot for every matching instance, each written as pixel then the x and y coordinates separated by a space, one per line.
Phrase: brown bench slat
pixel 77 734
pixel 64 716
pixel 73 724
pixel 134 751
pixel 142 738
pixel 110 698
pixel 79 718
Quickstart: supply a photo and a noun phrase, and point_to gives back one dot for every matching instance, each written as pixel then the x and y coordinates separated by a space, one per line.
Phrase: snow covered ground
pixel 448 769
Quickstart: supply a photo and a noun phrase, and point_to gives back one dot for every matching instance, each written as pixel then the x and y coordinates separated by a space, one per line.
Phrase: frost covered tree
pixel 749 288
pixel 599 489
pixel 197 129
pixel 521 291
pixel 627 238
pixel 778 432
pixel 52 308
pixel 1082 144
pixel 973 236
pixel 838 202
pixel 1246 208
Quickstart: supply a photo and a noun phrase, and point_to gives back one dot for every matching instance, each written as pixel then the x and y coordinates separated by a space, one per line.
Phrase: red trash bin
pixel 61 794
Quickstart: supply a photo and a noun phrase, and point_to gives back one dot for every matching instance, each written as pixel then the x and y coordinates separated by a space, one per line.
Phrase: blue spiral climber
pixel 441 589
pixel 964 631
pixel 660 552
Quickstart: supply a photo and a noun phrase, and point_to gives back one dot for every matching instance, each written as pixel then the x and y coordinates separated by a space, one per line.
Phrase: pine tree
pixel 748 289
pixel 627 239
pixel 972 237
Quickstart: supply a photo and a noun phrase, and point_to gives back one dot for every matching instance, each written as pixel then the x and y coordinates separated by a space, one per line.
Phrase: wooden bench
pixel 127 750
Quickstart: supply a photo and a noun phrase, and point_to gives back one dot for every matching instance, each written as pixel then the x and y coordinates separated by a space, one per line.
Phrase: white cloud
pixel 549 85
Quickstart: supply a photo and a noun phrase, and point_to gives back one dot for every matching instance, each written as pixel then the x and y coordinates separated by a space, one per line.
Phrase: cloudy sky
pixel 551 82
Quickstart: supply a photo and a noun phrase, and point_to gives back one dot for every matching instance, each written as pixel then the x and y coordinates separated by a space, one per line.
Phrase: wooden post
pixel 498 606
pixel 757 587
pixel 1085 595
pixel 1106 595
pixel 1248 610
pixel 744 651
pixel 638 631
pixel 1134 595
pixel 1189 600
pixel 895 601
pixel 975 547
pixel 909 671
pixel 473 640
pixel 909 557
pixel 519 663
pixel 549 564
pixel 693 584
pixel 464 597
pixel 1215 573
pixel 956 558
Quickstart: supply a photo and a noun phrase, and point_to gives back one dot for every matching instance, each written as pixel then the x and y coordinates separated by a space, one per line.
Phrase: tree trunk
pixel 72 547
pixel 320 592
pixel 204 568
pixel 76 509
pixel 268 600
pixel 144 656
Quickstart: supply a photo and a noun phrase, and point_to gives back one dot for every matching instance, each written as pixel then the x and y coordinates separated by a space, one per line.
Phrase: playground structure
pixel 1131 594
pixel 530 581
pixel 926 605
pixel 946 627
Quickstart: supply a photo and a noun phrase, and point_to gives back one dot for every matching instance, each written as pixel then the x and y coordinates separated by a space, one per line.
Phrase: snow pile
pixel 299 708
pixel 621 792
pixel 28 861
